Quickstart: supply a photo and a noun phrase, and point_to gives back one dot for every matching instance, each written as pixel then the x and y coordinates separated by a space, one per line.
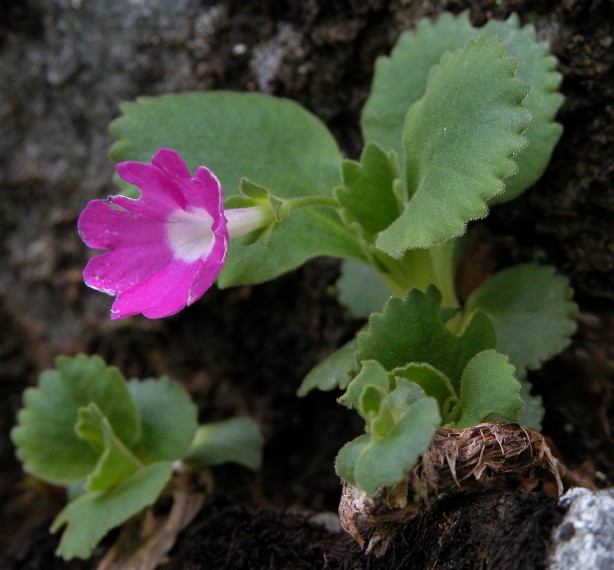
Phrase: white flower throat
pixel 189 234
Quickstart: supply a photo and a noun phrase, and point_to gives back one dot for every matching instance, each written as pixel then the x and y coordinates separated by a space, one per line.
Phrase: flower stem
pixel 312 201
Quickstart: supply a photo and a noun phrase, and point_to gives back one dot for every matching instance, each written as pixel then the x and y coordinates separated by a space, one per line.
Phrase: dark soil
pixel 65 66
pixel 243 538
pixel 490 530
pixel 486 530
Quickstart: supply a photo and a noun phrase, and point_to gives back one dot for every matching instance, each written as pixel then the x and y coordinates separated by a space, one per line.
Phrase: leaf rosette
pixel 85 427
pixel 414 376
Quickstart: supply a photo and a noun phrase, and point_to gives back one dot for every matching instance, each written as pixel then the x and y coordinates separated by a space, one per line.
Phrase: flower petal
pixel 170 161
pixel 162 294
pixel 160 194
pixel 104 226
pixel 115 271
pixel 209 270
pixel 167 247
pixel 205 191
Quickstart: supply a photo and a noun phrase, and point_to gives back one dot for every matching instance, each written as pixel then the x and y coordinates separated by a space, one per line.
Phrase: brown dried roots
pixel 487 456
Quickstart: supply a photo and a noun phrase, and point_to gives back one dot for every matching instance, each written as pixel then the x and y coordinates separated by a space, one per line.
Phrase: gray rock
pixel 585 537
pixel 60 86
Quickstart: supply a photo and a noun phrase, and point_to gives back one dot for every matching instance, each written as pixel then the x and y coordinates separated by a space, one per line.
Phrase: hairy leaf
pixel 304 234
pixel 459 142
pixel 538 68
pixel 335 371
pixel 369 196
pixel 168 419
pixel 92 515
pixel 371 374
pixel 371 462
pixel 45 436
pixel 404 395
pixel 400 80
pixel 237 440
pixel 489 387
pixel 531 309
pixel 116 462
pixel 361 289
pixel 376 411
pixel 345 462
pixel 274 142
pixel 434 382
pixel 533 411
pixel 411 330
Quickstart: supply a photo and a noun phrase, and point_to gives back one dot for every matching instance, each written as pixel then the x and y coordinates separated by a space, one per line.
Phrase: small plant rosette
pixel 84 427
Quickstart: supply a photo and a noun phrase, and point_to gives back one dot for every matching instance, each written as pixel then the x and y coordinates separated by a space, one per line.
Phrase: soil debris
pixel 242 537
pixel 144 543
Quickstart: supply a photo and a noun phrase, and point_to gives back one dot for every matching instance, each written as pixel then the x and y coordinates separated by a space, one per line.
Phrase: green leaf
pixel 531 309
pixel 533 411
pixel 45 436
pixel 400 81
pixel 345 462
pixel 237 440
pixel 538 68
pixel 116 463
pixel 385 461
pixel 459 143
pixel 447 313
pixel 274 142
pixel 168 419
pixel 304 234
pixel 405 395
pixel 369 196
pixel 434 382
pixel 335 371
pixel 371 374
pixel 400 424
pixel 258 193
pixel 488 387
pixel 380 400
pixel 92 515
pixel 410 330
pixel 380 418
pixel 361 289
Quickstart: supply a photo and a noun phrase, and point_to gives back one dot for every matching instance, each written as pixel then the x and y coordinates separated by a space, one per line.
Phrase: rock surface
pixel 585 537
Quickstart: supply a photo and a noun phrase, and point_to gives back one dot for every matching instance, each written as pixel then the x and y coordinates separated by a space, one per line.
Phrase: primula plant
pixel 115 445
pixel 459 119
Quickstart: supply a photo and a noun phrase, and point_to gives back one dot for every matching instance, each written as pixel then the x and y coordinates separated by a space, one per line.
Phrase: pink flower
pixel 166 248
